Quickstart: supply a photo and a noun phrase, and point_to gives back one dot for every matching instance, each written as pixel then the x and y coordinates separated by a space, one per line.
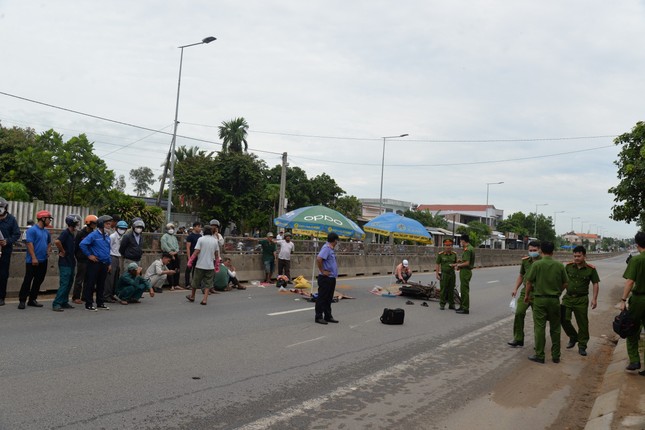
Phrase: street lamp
pixel 380 199
pixel 555 217
pixel 582 228
pixel 536 217
pixel 171 176
pixel 572 230
pixel 488 184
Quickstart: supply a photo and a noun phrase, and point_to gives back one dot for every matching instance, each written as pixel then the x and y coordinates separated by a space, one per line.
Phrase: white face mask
pixel 121 231
pixel 2 210
pixel 138 230
pixel 171 231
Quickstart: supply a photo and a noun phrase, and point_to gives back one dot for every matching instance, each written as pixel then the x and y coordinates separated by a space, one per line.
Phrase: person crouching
pixel 158 272
pixel 132 285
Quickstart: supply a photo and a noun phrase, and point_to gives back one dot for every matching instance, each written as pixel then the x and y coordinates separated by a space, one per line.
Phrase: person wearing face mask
pixel 96 246
pixel 9 234
pixel 131 247
pixel 81 259
pixel 521 308
pixel 66 263
pixel 38 249
pixel 170 245
pixel 117 262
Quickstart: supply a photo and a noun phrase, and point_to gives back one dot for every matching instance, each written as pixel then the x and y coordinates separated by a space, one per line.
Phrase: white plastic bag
pixel 513 304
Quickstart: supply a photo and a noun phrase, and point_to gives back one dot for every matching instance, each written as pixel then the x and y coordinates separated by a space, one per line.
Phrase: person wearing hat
pixel 131 247
pixel 132 285
pixel 9 234
pixel 445 274
pixel 403 272
pixel 170 245
pixel 215 228
pixel 38 249
pixel 96 246
pixel 284 256
pixel 268 256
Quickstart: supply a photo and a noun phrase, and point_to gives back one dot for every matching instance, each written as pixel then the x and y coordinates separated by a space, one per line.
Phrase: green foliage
pixel 14 191
pixel 477 231
pixel 324 190
pixel 119 183
pixel 427 218
pixel 298 187
pixel 629 194
pixel 524 225
pixel 233 134
pixel 350 206
pixel 143 178
pixel 127 208
pixel 13 140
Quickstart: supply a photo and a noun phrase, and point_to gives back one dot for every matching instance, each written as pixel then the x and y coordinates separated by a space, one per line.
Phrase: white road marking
pixel 406 366
pixel 306 341
pixel 291 311
pixel 492 282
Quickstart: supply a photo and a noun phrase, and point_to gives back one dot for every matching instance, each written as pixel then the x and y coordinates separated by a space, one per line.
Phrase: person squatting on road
pixel 132 285
pixel 66 263
pixel 521 307
pixel 544 284
pixel 38 249
pixel 445 273
pixel 633 299
pixel 402 272
pixel 158 272
pixel 206 261
pixel 576 300
pixel 328 272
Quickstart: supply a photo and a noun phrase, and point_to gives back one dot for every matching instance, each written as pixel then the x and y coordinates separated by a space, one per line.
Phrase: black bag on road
pixel 393 316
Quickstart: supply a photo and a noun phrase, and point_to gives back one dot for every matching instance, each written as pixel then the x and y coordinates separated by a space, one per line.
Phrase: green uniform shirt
pixel 445 259
pixel 268 250
pixel 220 281
pixel 636 272
pixel 547 277
pixel 169 243
pixel 469 256
pixel 579 278
pixel 527 262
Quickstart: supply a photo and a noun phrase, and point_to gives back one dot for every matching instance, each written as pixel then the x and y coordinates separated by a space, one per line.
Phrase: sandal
pixel 424 304
pixel 409 302
pixel 202 303
pixel 190 299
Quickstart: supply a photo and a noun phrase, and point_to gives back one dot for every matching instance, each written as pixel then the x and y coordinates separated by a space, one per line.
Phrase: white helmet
pixel 405 263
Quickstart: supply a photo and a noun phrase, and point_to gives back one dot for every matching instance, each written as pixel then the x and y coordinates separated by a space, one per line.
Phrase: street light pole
pixel 555 217
pixel 171 176
pixel 380 199
pixel 488 184
pixel 536 217
pixel 572 230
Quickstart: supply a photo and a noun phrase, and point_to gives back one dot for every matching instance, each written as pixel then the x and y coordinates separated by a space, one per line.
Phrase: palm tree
pixel 233 134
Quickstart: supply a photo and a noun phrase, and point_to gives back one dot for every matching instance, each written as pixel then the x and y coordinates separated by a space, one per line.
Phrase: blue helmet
pixel 121 224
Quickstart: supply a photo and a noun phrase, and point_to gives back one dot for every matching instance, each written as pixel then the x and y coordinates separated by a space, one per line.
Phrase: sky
pixel 527 93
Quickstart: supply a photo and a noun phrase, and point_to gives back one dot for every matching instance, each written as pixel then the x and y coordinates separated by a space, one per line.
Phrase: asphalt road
pixel 255 359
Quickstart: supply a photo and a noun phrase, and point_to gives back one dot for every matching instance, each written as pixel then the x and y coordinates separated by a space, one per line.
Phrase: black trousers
pixel 173 280
pixel 5 260
pixel 326 288
pixel 34 277
pixel 81 271
pixel 94 279
pixel 284 268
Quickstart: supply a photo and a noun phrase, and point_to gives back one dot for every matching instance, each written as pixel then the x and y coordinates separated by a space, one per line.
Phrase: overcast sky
pixel 528 93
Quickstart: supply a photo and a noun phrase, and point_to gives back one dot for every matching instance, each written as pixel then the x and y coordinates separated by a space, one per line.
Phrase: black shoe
pixel 633 366
pixel 571 343
pixel 67 306
pixel 331 320
pixel 556 360
pixel 582 351
pixel 1 302
pixel 90 308
pixel 642 373
pixel 34 303
pixel 21 305
pixel 451 307
pixel 409 302
pixel 425 304
pixel 462 311
pixel 516 343
pixel 158 290
pixel 57 309
pixel 536 359
pixel 102 307
pixel 321 321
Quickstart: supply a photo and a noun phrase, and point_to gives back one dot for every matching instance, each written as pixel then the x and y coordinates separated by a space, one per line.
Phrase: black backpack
pixel 625 325
pixel 393 316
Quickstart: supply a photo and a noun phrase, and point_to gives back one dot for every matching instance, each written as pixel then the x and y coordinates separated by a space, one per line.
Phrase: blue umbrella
pixel 399 227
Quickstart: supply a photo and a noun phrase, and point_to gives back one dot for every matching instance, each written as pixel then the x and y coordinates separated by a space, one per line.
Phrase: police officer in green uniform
pixel 465 267
pixel 544 284
pixel 445 273
pixel 521 308
pixel 576 301
pixel 634 294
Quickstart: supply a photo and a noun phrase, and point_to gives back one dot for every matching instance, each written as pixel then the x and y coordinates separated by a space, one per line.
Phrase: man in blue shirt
pixel 96 246
pixel 38 249
pixel 9 234
pixel 328 272
pixel 66 263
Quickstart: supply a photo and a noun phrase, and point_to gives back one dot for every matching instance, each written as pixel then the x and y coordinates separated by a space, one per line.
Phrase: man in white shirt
pixel 284 256
pixel 206 262
pixel 117 263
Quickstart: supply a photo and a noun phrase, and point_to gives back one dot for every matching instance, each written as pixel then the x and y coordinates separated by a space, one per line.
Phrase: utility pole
pixel 283 184
pixel 163 179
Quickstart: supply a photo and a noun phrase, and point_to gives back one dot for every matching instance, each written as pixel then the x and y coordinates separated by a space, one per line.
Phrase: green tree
pixel 477 231
pixel 233 134
pixel 427 218
pixel 127 208
pixel 524 225
pixel 196 180
pixel 119 183
pixel 515 223
pixel 350 206
pixel 143 178
pixel 14 191
pixel 324 190
pixel 629 194
pixel 298 187
pixel 13 140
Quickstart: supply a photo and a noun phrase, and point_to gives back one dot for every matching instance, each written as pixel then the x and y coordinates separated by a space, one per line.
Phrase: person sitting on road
pixel 132 285
pixel 403 272
pixel 232 274
pixel 158 272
